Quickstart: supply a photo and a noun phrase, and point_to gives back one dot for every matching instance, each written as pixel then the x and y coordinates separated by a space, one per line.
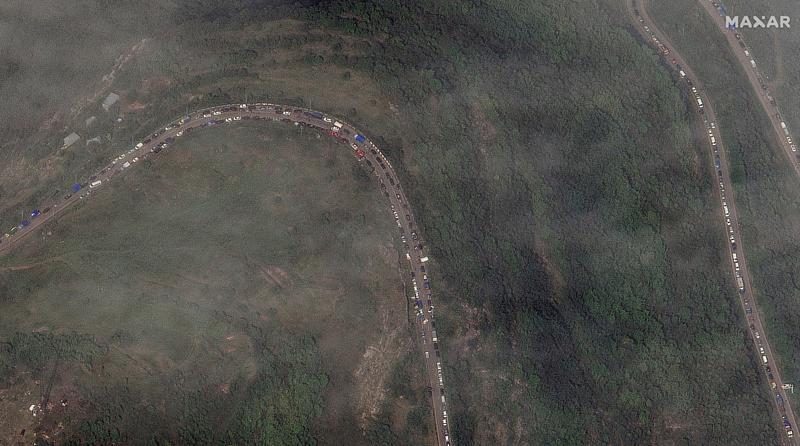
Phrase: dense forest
pixel 568 203
pixel 766 185
pixel 559 185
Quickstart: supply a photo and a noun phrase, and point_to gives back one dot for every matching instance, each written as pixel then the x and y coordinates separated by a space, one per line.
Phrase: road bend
pixel 362 148
pixel 730 217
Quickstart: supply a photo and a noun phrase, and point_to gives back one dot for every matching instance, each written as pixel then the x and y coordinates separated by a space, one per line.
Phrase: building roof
pixel 71 139
pixel 110 100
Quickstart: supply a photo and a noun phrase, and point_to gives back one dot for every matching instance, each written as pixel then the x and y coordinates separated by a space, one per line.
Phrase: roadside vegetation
pixel 777 52
pixel 556 175
pixel 239 298
pixel 767 190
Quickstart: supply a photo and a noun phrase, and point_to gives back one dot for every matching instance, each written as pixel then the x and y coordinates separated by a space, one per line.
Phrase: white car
pixel 179 133
pixel 139 146
pixel 228 119
pixel 243 106
pixel 216 113
pixel 287 113
pixel 326 119
pixel 237 118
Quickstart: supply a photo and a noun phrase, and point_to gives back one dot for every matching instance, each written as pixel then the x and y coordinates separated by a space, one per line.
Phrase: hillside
pixel 557 179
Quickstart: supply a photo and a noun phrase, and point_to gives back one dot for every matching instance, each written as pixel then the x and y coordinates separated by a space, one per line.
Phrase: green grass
pixel 271 237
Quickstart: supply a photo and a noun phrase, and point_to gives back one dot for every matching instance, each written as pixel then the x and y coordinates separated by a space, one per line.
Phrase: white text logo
pixel 757 22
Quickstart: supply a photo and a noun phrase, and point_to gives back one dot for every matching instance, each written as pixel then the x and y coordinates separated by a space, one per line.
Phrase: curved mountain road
pixel 364 149
pixel 736 252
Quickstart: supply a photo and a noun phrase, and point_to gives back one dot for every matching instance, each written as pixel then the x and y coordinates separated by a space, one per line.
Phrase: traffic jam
pixel 362 149
pixel 761 79
pixel 730 224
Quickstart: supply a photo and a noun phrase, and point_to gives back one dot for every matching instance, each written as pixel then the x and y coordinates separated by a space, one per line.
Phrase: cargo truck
pixel 740 283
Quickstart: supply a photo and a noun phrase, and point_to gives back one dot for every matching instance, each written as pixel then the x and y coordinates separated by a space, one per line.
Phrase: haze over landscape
pixel 549 222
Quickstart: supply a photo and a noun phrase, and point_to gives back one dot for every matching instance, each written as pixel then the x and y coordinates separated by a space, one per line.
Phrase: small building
pixel 110 100
pixel 71 139
pixel 95 140
pixel 90 120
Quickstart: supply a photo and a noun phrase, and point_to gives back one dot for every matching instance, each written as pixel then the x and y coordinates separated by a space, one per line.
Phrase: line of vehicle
pixel 747 61
pixel 737 259
pixel 363 148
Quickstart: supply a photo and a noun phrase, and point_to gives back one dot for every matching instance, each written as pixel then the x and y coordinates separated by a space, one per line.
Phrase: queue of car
pixel 356 141
pixel 740 284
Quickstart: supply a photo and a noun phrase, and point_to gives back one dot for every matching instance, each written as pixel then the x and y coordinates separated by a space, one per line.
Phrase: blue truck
pixel 360 138
pixel 35 213
pixel 716 162
pixel 314 114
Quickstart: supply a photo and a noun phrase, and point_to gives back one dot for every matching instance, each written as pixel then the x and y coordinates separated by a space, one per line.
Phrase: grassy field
pixel 233 289
pixel 582 293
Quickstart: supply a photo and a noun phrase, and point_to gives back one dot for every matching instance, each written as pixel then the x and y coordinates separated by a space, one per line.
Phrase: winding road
pixel 730 217
pixel 364 150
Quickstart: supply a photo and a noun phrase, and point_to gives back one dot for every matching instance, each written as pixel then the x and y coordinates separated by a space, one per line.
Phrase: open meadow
pixel 241 286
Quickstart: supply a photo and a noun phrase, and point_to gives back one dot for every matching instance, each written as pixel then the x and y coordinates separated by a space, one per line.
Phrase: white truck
pixel 96 183
pixel 423 259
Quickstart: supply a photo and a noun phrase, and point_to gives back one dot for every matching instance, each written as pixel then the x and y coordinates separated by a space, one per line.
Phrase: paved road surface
pixel 364 149
pixel 736 251
pixel 754 76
